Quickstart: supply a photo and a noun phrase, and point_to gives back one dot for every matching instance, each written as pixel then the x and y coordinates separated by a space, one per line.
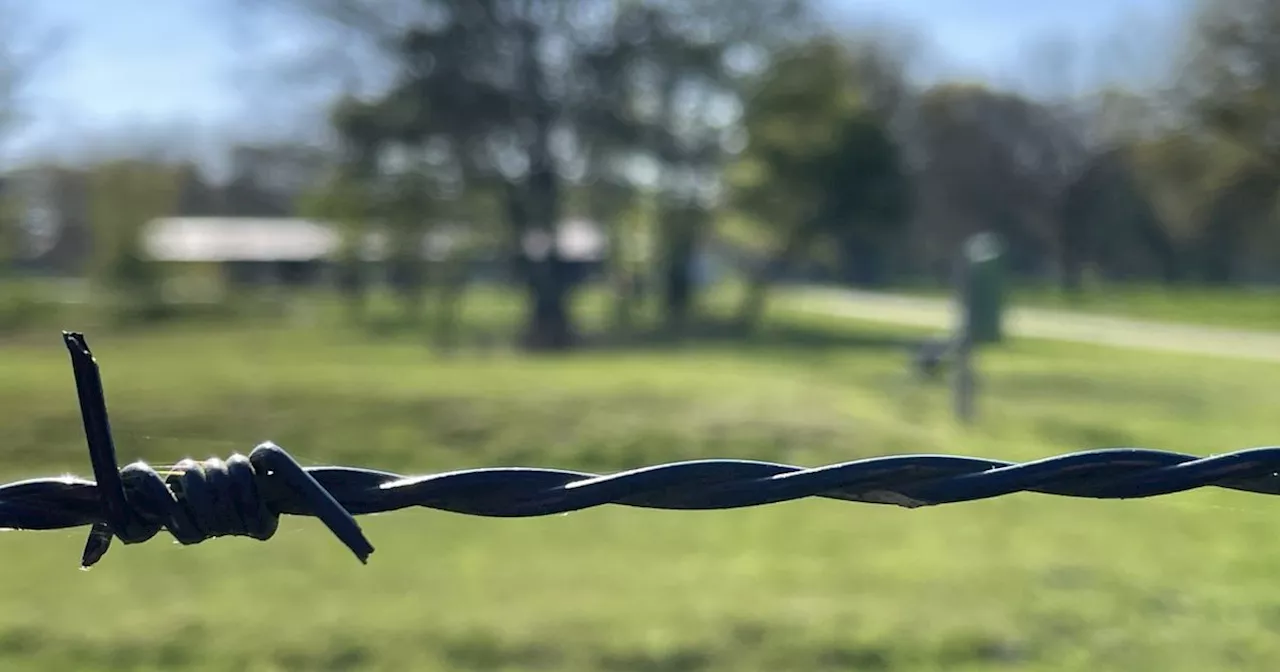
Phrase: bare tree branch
pixel 26 49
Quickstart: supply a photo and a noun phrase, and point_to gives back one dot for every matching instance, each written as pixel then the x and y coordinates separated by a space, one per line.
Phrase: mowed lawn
pixel 1238 308
pixel 1028 582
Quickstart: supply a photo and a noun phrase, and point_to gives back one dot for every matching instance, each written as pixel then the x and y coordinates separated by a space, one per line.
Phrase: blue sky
pixel 180 62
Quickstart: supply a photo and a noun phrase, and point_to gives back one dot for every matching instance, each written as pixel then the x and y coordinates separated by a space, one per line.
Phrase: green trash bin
pixel 983 288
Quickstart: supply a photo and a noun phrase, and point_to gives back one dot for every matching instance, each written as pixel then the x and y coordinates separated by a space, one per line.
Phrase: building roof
pixel 197 239
pixel 578 240
pixel 213 239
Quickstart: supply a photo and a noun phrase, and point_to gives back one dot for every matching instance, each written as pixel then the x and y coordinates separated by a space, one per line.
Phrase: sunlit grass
pixel 1026 582
pixel 1234 307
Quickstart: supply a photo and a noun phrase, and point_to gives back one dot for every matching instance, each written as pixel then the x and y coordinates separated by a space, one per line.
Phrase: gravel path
pixel 1059 325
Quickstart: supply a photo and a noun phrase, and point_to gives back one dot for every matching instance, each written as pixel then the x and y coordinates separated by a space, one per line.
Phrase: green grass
pixel 1186 582
pixel 1233 308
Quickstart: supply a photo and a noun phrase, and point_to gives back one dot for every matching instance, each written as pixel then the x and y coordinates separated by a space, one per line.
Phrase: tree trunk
pixel 753 302
pixel 352 286
pixel 1071 278
pixel 682 228
pixel 621 280
pixel 447 310
pixel 678 290
pixel 1162 247
pixel 1219 251
pixel 624 293
pixel 408 278
pixel 864 262
pixel 547 325
pixel 1071 255
pixel 752 306
pixel 547 322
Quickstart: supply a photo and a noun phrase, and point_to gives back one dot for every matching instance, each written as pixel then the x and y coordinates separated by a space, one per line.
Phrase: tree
pixel 685 72
pixel 1230 80
pixel 1109 217
pixel 1229 90
pixel 346 195
pixel 532 95
pixel 268 179
pixel 26 49
pixel 994 160
pixel 342 200
pixel 479 81
pixel 818 163
pixel 124 196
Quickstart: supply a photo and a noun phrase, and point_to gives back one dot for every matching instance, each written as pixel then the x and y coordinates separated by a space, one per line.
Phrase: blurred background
pixel 424 235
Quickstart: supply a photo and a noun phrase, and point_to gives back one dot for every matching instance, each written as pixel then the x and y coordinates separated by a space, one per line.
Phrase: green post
pixel 983 289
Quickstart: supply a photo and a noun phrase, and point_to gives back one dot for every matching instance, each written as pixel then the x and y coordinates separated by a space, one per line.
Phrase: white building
pixel 302 251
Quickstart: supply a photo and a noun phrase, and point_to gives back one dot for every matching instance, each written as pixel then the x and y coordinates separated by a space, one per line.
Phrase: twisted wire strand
pixel 245 496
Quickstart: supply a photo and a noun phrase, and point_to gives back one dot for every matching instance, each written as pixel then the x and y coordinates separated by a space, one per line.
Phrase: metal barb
pixel 102 450
pixel 269 466
pixel 245 496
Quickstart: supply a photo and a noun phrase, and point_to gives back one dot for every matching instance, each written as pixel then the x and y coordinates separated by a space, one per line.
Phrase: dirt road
pixel 1039 323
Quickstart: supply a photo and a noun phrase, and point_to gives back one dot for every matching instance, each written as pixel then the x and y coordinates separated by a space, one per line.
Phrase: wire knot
pixel 195 501
pixel 243 496
pixel 199 500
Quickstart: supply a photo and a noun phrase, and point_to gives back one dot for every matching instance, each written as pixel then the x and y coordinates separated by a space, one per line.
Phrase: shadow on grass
pixel 727 334
pixel 31 648
pixel 771 647
pixel 778 338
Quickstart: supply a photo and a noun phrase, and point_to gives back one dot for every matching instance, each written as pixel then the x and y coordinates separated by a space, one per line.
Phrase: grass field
pixel 1186 582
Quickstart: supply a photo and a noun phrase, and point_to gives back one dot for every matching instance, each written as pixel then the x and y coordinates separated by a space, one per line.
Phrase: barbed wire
pixel 245 496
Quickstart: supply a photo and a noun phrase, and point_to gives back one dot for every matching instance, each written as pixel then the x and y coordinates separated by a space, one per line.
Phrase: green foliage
pixel 10 229
pixel 343 201
pixel 792 122
pixel 817 158
pixel 1159 186
pixel 1229 81
pixel 124 196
